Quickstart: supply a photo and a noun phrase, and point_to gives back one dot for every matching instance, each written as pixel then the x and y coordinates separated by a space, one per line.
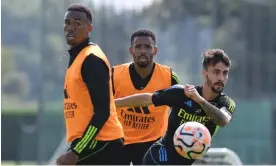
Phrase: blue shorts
pixel 158 154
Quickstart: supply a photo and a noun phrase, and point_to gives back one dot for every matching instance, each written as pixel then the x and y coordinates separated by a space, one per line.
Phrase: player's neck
pixel 143 72
pixel 208 94
pixel 85 40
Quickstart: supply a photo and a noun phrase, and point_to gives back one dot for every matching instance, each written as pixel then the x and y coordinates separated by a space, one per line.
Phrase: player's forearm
pixel 143 99
pixel 101 103
pixel 99 118
pixel 213 112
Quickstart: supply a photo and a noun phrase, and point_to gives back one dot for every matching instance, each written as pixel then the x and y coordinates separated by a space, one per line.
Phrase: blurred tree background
pixel 33 37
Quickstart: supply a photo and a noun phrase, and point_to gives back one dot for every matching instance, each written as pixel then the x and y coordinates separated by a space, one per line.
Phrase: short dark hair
pixel 142 32
pixel 81 8
pixel 214 56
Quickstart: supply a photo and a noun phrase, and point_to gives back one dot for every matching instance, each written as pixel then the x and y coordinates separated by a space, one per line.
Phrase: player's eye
pixel 137 46
pixel 216 72
pixel 77 23
pixel 66 22
pixel 148 46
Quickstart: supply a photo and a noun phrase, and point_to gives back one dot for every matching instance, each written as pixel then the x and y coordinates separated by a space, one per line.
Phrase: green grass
pixel 20 163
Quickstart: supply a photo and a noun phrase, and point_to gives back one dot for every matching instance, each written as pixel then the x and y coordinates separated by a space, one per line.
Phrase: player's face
pixel 216 77
pixel 76 27
pixel 142 50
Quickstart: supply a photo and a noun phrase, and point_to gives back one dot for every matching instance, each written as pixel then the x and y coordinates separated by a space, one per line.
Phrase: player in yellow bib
pixel 92 126
pixel 142 126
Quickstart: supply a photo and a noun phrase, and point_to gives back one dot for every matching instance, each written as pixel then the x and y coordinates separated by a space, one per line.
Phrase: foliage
pixel 8 59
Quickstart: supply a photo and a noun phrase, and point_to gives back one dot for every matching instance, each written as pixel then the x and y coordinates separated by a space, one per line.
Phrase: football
pixel 192 140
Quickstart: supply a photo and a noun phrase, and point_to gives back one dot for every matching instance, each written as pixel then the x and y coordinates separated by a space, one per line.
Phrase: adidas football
pixel 192 140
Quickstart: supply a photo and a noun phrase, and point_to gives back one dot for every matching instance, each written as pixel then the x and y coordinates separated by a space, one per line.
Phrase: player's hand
pixel 191 92
pixel 69 158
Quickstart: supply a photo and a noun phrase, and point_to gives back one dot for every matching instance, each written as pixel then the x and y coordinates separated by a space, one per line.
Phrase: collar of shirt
pixel 137 80
pixel 199 90
pixel 76 50
pixel 135 74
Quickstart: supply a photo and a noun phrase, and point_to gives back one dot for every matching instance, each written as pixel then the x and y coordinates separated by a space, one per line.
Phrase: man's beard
pixel 210 84
pixel 144 64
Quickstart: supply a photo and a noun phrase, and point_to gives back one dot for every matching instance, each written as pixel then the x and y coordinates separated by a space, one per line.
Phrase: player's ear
pixel 130 50
pixel 204 72
pixel 155 50
pixel 90 28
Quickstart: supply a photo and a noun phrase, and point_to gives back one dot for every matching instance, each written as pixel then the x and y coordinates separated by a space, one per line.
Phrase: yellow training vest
pixel 142 124
pixel 78 107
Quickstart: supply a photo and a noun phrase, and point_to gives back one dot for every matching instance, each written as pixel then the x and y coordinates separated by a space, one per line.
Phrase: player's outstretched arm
pixel 219 115
pixel 172 97
pixel 136 100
